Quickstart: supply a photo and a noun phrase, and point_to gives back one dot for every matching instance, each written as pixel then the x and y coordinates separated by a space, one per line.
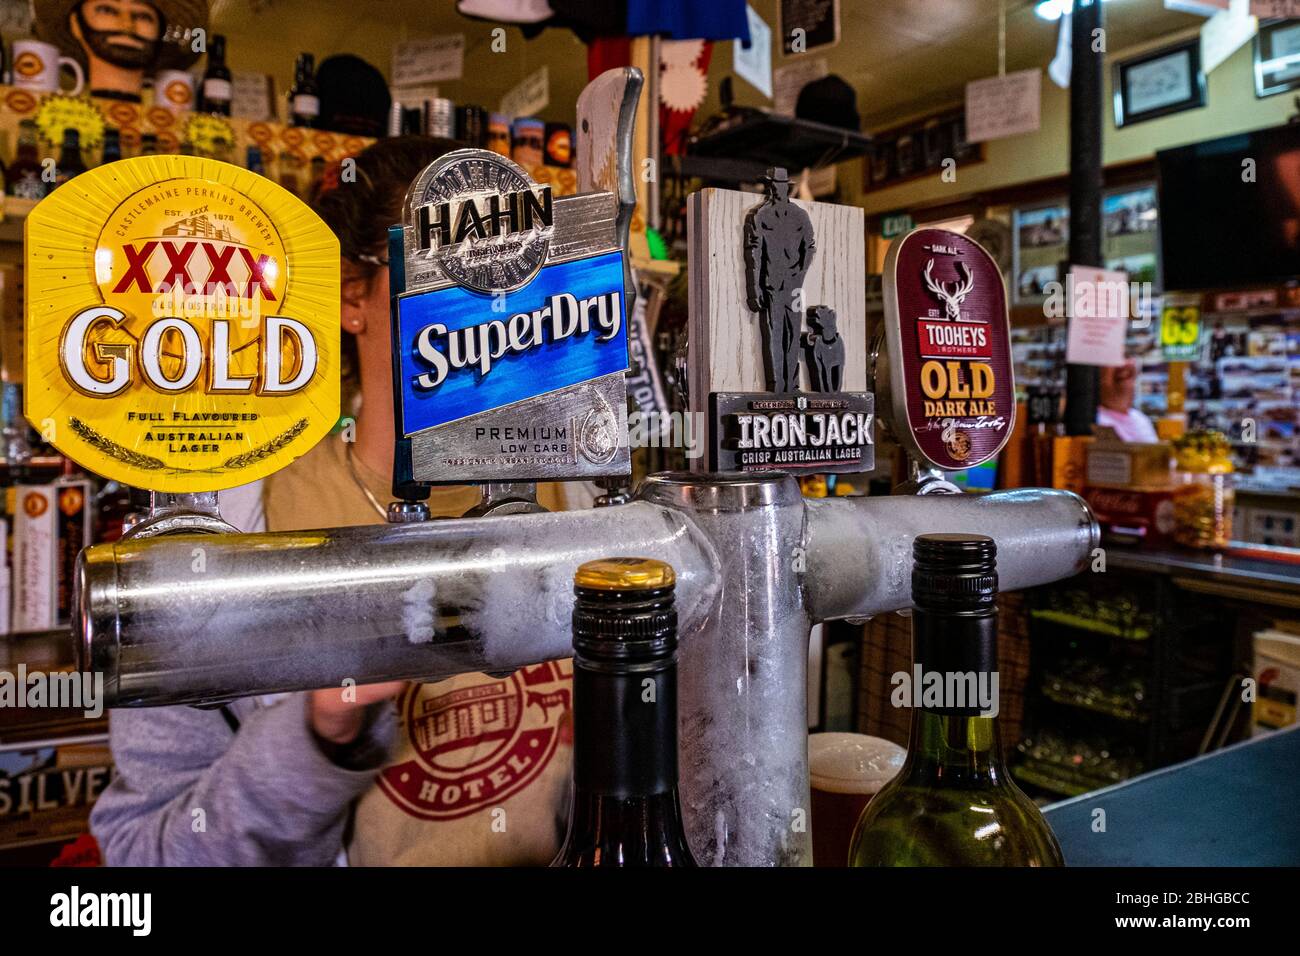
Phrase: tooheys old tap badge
pixel 510 332
pixel 950 381
pixel 182 323
pixel 778 303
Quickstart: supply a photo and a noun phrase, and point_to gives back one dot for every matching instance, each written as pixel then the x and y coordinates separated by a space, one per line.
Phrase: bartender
pixel 1115 404
pixel 469 771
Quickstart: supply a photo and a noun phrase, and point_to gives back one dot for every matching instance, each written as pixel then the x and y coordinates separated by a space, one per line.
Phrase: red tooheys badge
pixel 950 382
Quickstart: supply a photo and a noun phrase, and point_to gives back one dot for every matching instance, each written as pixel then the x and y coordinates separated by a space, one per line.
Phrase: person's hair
pixel 360 209
pixel 361 201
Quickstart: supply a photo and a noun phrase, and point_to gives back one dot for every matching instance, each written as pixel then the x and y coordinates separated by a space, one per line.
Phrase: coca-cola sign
pixel 951 382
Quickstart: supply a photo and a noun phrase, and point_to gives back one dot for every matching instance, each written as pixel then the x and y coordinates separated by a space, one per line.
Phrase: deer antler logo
pixel 951 300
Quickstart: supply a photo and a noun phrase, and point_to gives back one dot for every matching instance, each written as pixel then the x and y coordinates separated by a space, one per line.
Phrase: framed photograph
pixel 1277 57
pixel 1159 83
pixel 1131 232
pixel 1040 243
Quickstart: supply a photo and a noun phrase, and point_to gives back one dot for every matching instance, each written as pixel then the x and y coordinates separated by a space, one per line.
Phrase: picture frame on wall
pixel 1159 83
pixel 1040 239
pixel 1277 57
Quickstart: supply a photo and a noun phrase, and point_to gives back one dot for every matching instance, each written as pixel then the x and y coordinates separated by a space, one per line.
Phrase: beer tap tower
pixel 510 350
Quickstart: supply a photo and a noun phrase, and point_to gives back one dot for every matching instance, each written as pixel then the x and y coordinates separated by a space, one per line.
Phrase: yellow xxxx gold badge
pixel 182 323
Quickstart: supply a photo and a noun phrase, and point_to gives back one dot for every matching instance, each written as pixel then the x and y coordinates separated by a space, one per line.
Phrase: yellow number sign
pixel 1180 332
pixel 182 323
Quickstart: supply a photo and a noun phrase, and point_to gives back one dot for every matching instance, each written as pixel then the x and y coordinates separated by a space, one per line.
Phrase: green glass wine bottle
pixel 953 803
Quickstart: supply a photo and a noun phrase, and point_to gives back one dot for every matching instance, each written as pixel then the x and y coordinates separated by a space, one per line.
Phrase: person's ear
pixel 355 291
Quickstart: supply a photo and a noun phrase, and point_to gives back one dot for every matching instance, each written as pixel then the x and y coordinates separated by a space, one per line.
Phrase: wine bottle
pixel 112 151
pixel 304 100
pixel 23 177
pixel 625 810
pixel 217 90
pixel 953 802
pixel 253 161
pixel 70 164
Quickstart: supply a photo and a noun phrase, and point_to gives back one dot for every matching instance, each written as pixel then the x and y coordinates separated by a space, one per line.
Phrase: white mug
pixel 174 90
pixel 36 67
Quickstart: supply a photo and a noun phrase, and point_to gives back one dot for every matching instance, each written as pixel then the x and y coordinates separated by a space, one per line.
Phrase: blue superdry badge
pixel 465 352
pixel 509 328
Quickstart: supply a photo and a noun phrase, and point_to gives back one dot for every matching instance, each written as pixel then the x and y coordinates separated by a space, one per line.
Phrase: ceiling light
pixel 1053 9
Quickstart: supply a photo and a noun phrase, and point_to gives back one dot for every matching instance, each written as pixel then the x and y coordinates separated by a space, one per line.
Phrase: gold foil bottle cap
pixel 625 574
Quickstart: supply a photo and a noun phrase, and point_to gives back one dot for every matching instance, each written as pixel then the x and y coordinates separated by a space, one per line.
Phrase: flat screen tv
pixel 1230 211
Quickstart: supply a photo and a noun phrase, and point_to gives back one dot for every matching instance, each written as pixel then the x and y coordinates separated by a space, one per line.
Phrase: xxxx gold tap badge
pixel 182 323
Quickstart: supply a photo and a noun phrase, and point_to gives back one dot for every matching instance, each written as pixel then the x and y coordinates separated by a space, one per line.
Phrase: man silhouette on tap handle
pixel 778 251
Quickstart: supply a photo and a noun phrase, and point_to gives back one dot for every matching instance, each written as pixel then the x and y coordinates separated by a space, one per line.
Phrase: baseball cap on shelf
pixel 829 100
pixel 354 97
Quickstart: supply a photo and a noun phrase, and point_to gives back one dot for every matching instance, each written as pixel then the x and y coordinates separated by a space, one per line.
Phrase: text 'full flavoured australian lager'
pixel 625 809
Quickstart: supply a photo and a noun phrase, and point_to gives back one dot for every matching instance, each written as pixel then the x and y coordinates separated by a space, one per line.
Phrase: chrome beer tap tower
pixel 757 563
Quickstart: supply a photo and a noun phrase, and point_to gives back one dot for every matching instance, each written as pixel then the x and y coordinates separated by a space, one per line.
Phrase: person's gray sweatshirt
pixel 193 790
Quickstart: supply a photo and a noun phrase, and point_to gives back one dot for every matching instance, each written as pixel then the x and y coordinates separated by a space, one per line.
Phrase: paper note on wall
pixel 1099 310
pixel 753 63
pixel 530 97
pixel 790 79
pixel 1267 9
pixel 1001 106
pixel 429 60
pixel 1225 33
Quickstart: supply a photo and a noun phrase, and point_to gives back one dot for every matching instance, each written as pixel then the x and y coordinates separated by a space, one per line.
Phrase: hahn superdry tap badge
pixel 510 327
pixel 182 323
pixel 950 370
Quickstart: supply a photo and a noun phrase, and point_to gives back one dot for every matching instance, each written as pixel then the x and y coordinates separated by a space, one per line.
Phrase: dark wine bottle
pixel 217 90
pixel 304 99
pixel 112 151
pixel 625 809
pixel 953 803
pixel 70 164
pixel 24 176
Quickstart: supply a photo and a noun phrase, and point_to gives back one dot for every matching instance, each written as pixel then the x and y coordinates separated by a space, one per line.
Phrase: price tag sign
pixel 1180 332
pixel 1043 404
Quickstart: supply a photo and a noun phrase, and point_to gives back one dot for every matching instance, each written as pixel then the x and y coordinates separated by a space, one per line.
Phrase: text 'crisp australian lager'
pixel 625 809
pixel 953 803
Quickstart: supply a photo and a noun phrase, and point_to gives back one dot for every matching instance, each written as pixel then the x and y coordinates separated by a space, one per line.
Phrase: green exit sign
pixel 895 224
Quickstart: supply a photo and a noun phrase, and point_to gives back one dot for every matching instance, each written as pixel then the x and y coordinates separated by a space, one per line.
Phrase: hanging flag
pixel 1061 65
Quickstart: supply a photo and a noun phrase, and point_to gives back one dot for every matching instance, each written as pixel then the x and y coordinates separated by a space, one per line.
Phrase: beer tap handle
pixel 410 494
pixel 182 513
pixel 606 123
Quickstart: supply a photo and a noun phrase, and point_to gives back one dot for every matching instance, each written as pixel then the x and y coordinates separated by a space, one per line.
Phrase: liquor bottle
pixel 70 164
pixel 253 160
pixel 625 809
pixel 289 165
pixel 304 99
pixel 23 176
pixel 315 178
pixel 112 146
pixel 953 802
pixel 148 144
pixel 217 90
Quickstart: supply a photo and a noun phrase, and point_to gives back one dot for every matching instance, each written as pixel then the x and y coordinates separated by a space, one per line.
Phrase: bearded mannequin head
pixel 120 42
